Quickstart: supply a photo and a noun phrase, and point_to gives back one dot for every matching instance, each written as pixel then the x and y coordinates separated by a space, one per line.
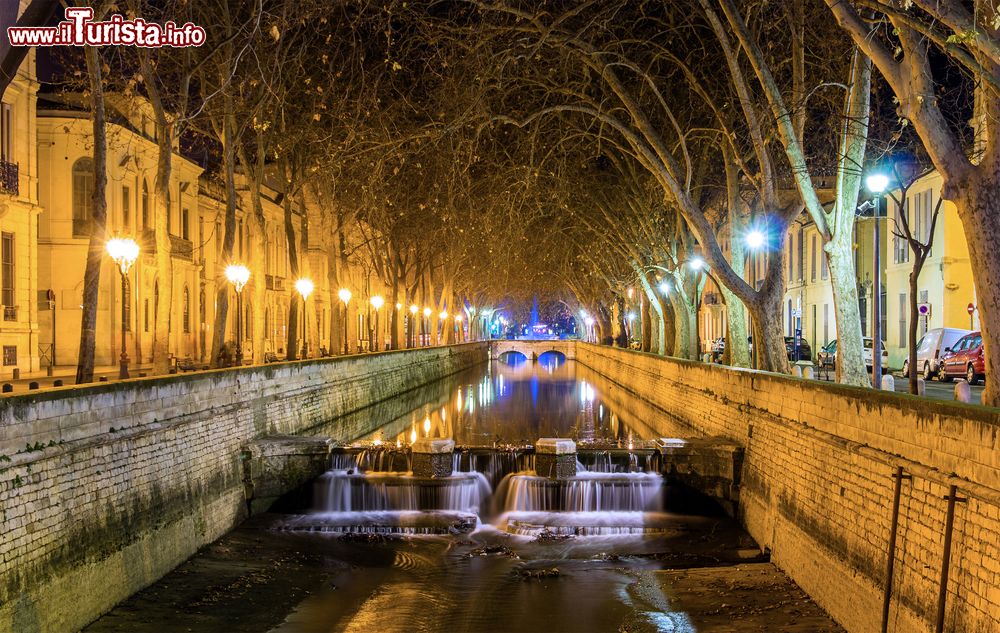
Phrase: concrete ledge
pixel 433 446
pixel 274 466
pixel 554 446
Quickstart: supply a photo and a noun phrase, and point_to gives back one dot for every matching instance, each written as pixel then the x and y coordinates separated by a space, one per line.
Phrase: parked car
pixel 964 359
pixel 827 356
pixel 930 347
pixel 805 352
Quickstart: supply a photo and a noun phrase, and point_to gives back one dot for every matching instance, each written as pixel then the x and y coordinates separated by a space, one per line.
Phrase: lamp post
pixel 305 288
pixel 345 296
pixel 755 241
pixel 459 333
pixel 877 183
pixel 590 324
pixel 426 327
pixel 124 251
pixel 395 325
pixel 377 302
pixel 443 316
pixel 411 331
pixel 238 275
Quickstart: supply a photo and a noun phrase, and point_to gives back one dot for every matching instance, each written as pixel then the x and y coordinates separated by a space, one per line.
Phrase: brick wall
pixel 817 483
pixel 143 473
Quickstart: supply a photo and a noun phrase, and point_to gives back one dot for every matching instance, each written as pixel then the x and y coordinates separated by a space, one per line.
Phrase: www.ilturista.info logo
pixel 79 29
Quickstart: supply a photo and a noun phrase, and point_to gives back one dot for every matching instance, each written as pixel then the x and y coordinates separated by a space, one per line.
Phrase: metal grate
pixel 9 355
pixel 8 177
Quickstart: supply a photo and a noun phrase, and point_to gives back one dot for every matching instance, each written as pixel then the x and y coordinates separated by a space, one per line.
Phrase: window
pixel 791 324
pixel 826 323
pixel 218 240
pixel 6 134
pixel 202 308
pixel 791 257
pixel 156 299
pixel 83 192
pixel 186 307
pixel 812 258
pixel 9 355
pixel 145 204
pixel 901 249
pixel 802 253
pixel 926 236
pixel 145 315
pixel 824 266
pixel 903 308
pixel 7 265
pixel 126 208
pixel 185 228
pixel 863 309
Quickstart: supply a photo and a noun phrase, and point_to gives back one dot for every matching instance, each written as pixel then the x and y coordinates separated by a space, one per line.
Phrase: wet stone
pixel 555 466
pixel 432 457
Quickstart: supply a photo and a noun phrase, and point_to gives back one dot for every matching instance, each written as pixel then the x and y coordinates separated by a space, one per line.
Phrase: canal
pixel 370 547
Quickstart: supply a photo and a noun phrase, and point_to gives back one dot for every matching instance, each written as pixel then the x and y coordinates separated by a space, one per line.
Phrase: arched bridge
pixel 532 349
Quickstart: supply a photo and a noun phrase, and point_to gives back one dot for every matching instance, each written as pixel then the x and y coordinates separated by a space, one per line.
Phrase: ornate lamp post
pixel 377 302
pixel 238 275
pixel 124 251
pixel 411 331
pixel 305 288
pixel 345 296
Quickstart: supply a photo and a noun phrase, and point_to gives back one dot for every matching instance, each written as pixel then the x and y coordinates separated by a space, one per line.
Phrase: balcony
pixel 147 241
pixel 10 313
pixel 181 248
pixel 9 178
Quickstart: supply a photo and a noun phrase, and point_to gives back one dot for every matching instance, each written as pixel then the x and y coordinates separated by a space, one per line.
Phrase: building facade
pixel 20 344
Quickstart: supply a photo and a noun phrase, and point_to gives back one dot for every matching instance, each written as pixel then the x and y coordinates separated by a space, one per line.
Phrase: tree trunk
pixel 669 332
pixel 843 280
pixel 291 351
pixel 647 326
pixel 163 307
pixel 737 350
pixel 98 220
pixel 222 284
pixel 979 208
pixel 765 313
pixel 911 333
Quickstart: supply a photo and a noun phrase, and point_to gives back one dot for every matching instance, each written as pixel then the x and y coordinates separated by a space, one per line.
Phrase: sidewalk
pixel 65 373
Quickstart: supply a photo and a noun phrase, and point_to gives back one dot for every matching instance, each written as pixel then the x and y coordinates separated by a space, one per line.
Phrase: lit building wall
pixel 19 210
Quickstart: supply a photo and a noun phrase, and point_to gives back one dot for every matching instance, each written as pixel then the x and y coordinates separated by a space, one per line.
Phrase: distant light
pixel 345 295
pixel 589 321
pixel 443 315
pixel 427 312
pixel 399 306
pixel 414 309
pixel 664 287
pixel 697 263
pixel 631 316
pixel 877 183
pixel 427 424
pixel 458 317
pixel 238 275
pixel 755 239
pixel 377 302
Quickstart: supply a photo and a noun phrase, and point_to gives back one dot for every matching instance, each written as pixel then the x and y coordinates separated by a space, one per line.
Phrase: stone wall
pixel 115 484
pixel 817 483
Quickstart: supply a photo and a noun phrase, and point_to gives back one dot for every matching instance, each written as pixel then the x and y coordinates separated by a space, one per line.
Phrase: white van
pixel 930 347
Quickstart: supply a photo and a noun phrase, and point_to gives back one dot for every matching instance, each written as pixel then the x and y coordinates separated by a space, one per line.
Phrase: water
pixel 492 547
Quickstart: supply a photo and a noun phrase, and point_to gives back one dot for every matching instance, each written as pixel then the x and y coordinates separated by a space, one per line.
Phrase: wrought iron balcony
pixel 272 282
pixel 9 177
pixel 181 248
pixel 10 313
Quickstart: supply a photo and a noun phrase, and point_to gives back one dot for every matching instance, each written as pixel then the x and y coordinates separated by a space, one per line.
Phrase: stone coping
pixel 433 446
pixel 555 446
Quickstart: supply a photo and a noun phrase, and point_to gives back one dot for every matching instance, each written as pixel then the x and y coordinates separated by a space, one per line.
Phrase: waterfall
pixel 587 492
pixel 343 491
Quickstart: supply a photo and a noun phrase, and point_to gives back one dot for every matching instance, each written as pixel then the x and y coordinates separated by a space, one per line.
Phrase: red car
pixel 964 359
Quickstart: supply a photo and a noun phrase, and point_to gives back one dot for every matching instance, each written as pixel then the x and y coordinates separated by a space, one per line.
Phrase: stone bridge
pixel 533 348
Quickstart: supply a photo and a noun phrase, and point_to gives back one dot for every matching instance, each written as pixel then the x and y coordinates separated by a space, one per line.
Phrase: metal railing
pixel 9 182
pixel 181 248
pixel 10 313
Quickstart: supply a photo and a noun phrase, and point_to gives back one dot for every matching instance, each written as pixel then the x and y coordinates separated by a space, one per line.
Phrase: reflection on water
pixel 513 402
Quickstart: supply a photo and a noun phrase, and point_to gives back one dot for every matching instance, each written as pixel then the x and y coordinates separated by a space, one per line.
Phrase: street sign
pixel 972 308
pixel 924 309
pixel 796 313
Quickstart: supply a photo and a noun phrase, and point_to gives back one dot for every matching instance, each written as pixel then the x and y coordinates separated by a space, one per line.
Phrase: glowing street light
pixel 345 296
pixel 238 275
pixel 377 302
pixel 697 263
pixel 664 287
pixel 459 332
pixel 124 251
pixel 425 326
pixel 877 183
pixel 304 287
pixel 590 325
pixel 755 239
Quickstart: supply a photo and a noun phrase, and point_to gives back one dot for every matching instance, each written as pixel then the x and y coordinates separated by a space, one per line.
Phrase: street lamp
pixel 590 324
pixel 412 331
pixel 443 315
pixel 377 302
pixel 124 251
pixel 459 333
pixel 238 275
pixel 426 327
pixel 664 287
pixel 345 296
pixel 755 241
pixel 877 184
pixel 305 288
pixel 697 263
